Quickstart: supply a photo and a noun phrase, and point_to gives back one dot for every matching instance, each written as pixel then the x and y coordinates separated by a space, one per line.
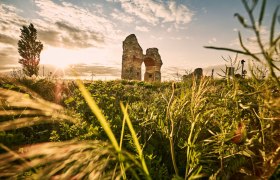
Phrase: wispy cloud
pixel 141 28
pixel 62 25
pixel 118 15
pixel 212 40
pixel 8 56
pixel 77 26
pixel 97 70
pixel 155 12
pixel 59 24
pixel 204 10
pixel 250 41
pixel 157 38
pixel 5 39
pixel 10 23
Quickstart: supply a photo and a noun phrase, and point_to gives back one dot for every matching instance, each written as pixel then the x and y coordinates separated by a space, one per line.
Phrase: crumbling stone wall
pixel 153 65
pixel 198 73
pixel 133 58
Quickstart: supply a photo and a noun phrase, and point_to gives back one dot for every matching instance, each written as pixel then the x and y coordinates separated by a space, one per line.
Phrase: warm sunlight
pixel 190 87
pixel 61 57
pixel 58 57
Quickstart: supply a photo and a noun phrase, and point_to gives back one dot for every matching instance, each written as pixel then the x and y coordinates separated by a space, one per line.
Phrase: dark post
pixel 229 72
pixel 92 76
pixel 242 68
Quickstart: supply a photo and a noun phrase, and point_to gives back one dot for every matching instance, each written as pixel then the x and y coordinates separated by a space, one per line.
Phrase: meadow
pixel 195 129
pixel 198 128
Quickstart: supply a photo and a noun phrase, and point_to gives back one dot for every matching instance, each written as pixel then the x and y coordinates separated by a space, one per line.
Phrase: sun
pixel 58 57
pixel 63 58
pixel 61 64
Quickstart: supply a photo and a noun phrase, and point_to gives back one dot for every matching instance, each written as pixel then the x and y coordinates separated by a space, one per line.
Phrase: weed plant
pixel 184 129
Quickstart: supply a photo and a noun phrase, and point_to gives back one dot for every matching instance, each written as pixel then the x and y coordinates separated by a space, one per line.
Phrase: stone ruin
pixel 133 58
pixel 198 73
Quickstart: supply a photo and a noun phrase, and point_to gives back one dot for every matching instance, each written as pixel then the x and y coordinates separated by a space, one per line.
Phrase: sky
pixel 88 34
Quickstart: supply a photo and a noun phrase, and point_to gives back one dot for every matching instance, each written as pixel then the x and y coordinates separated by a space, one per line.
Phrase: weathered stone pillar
pixel 153 65
pixel 132 58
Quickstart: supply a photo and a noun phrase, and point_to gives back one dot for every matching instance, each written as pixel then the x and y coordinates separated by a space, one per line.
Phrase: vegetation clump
pixel 203 128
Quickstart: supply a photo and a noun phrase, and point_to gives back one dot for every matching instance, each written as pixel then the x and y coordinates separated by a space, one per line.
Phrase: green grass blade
pixel 262 12
pixel 95 109
pixel 121 141
pixel 272 28
pixel 226 49
pixel 242 20
pixel 135 140
pixel 122 132
pixel 246 49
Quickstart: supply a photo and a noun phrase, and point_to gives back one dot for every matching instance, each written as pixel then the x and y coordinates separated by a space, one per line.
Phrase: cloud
pixel 172 73
pixel 74 36
pixel 85 71
pixel 78 26
pixel 141 28
pixel 155 12
pixel 118 15
pixel 64 35
pixel 169 29
pixel 204 10
pixel 212 40
pixel 234 43
pixel 176 38
pixel 250 40
pixel 97 70
pixel 10 24
pixel 56 28
pixel 8 56
pixel 8 40
pixel 157 38
pixel 49 37
pixel 58 24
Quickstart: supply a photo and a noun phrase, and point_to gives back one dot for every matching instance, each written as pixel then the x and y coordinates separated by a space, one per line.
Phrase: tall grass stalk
pixel 196 122
pixel 171 141
pixel 17 106
pixel 135 140
pixel 26 164
pixel 95 109
pixel 65 165
pixel 104 123
pixel 121 142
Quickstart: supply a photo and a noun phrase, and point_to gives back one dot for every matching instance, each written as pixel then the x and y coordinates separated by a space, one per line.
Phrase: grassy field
pixel 195 129
pixel 203 128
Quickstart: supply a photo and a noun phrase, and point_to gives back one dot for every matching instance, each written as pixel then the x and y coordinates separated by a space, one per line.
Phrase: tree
pixel 29 49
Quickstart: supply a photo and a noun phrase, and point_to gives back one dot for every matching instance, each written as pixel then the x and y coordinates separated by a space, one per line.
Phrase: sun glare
pixel 58 57
pixel 61 65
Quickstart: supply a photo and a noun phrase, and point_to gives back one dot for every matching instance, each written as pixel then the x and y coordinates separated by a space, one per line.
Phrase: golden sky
pixel 88 34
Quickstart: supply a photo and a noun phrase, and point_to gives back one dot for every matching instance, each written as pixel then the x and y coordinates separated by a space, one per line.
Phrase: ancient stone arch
pixel 133 58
